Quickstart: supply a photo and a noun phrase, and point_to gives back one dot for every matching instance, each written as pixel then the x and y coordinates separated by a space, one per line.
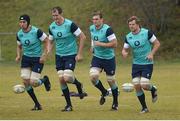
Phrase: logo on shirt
pixel 130 37
pixel 59 34
pixel 136 43
pixel 95 38
pixel 26 42
pixel 21 35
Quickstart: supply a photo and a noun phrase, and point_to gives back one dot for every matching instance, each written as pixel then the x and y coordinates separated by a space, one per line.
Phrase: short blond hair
pixel 137 20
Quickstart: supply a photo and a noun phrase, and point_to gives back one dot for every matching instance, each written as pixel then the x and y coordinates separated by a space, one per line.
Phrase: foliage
pixel 162 16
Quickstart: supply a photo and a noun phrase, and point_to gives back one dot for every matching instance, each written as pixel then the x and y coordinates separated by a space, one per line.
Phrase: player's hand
pixel 124 54
pixel 91 50
pixel 150 57
pixel 78 57
pixel 42 59
pixel 18 58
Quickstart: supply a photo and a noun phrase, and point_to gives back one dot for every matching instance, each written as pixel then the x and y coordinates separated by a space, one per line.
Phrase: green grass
pixel 17 106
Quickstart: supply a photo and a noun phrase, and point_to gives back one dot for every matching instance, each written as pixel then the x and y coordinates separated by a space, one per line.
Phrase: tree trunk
pixel 178 2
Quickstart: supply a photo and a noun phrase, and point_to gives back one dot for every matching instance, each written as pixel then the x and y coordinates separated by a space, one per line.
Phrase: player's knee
pixel 25 73
pixel 34 79
pixel 111 80
pixel 136 80
pixel 144 83
pixel 68 76
pixel 34 83
pixel 26 82
pixel 60 73
pixel 94 74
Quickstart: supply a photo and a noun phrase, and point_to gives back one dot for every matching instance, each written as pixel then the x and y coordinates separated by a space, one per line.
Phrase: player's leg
pixel 110 67
pixel 25 75
pixel 36 74
pixel 94 76
pixel 136 73
pixel 145 81
pixel 114 88
pixel 60 65
pixel 69 77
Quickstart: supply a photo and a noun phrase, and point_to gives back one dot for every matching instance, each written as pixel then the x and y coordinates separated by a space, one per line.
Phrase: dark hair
pixel 96 13
pixel 57 8
pixel 137 20
pixel 25 17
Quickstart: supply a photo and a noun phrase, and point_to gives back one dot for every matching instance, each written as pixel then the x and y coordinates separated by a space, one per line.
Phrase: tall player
pixel 64 33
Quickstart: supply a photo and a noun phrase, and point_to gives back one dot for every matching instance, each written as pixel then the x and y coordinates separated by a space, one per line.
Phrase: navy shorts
pixel 142 71
pixel 108 65
pixel 65 62
pixel 32 62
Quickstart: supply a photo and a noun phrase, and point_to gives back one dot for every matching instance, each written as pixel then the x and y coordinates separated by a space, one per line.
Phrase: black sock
pixel 101 88
pixel 67 96
pixel 33 96
pixel 78 86
pixel 142 100
pixel 152 90
pixel 115 95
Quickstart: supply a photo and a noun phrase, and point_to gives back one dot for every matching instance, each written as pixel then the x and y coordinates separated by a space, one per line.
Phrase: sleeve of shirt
pixel 126 44
pixel 18 40
pixel 110 34
pixel 41 35
pixel 151 36
pixel 75 29
pixel 50 35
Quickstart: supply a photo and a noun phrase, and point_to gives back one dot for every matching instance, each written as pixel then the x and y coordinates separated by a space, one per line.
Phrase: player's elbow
pixel 157 43
pixel 114 44
pixel 82 37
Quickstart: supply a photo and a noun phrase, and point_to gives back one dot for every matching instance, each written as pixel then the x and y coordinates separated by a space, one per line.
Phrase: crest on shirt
pixel 136 43
pixel 95 38
pixel 53 27
pixel 21 35
pixel 59 34
pixel 27 42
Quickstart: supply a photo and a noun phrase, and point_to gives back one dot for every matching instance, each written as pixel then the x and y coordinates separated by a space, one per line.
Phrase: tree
pixel 157 13
pixel 178 2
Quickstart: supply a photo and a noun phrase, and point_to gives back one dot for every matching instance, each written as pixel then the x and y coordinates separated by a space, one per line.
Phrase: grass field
pixel 17 106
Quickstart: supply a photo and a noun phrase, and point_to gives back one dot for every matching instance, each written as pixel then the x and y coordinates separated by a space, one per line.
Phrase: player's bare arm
pixel 111 44
pixel 156 45
pixel 124 52
pixel 18 52
pixel 45 52
pixel 82 38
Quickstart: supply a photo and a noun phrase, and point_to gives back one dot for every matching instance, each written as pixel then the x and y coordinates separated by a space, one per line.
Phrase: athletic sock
pixel 30 91
pixel 115 95
pixel 141 98
pixel 78 86
pixel 67 96
pixel 100 87
pixel 152 89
